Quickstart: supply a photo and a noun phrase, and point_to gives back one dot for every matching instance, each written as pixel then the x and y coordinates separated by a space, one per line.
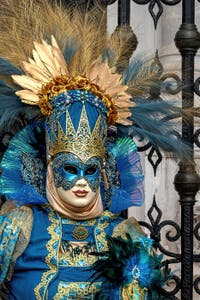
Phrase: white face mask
pixel 76 182
pixel 79 196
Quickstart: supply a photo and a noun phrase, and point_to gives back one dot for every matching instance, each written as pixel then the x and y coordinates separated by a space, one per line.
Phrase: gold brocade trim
pixel 100 235
pixel 133 291
pixel 130 226
pixel 100 240
pixel 80 233
pixel 77 255
pixel 77 290
pixel 63 83
pixel 66 221
pixel 16 229
pixel 55 237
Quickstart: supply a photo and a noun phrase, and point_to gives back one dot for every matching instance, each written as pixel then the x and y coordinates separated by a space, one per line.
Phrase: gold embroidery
pixel 130 226
pixel 100 235
pixel 52 252
pixel 77 290
pixel 83 259
pixel 77 254
pixel 80 233
pixel 133 291
pixel 16 233
pixel 73 222
pixel 63 259
pixel 82 142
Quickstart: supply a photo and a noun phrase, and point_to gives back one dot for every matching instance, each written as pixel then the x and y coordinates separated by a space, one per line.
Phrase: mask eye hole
pixel 71 169
pixel 91 170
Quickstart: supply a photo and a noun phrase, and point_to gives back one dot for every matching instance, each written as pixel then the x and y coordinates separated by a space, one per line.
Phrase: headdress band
pixel 64 83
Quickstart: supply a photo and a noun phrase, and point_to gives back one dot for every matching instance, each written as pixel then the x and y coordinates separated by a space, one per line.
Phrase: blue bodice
pixel 56 263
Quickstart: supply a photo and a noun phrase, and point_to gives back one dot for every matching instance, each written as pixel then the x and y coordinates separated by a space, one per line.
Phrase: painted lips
pixel 80 193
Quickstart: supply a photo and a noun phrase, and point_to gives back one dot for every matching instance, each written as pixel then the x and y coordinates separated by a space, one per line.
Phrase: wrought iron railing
pixel 187 181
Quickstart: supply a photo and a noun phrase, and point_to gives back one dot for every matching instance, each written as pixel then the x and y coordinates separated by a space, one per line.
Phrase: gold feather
pixel 59 59
pixel 37 60
pixel 25 21
pixel 101 74
pixel 122 42
pixel 28 97
pixel 35 71
pixel 27 82
pixel 124 121
pixel 46 58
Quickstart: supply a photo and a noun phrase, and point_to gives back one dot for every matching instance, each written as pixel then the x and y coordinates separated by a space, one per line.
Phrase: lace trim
pixel 77 290
pixel 52 246
pixel 99 232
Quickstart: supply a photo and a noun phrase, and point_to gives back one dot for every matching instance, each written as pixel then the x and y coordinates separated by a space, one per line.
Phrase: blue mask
pixel 68 169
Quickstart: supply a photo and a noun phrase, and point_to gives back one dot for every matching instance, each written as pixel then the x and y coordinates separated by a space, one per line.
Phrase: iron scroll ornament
pixel 156 5
pixel 197 85
pixel 197 258
pixel 155 227
pixel 196 285
pixel 169 83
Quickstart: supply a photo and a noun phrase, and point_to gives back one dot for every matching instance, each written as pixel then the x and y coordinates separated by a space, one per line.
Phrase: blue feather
pixel 131 262
pixel 150 122
pixel 71 48
pixel 12 183
pixel 12 110
pixel 131 191
pixel 133 69
pixel 108 56
pixel 5 89
pixel 6 68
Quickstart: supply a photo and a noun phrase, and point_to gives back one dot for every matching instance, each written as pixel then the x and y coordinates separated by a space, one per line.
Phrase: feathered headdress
pixel 55 57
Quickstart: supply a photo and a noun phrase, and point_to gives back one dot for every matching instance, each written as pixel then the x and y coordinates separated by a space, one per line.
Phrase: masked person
pixel 73 169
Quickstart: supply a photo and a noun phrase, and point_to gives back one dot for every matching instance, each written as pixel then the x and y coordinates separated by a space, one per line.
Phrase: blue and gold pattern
pixel 52 246
pixel 76 254
pixel 10 234
pixel 58 261
pixel 80 94
pixel 14 227
pixel 77 290
pixel 69 129
pixel 68 274
pixel 134 292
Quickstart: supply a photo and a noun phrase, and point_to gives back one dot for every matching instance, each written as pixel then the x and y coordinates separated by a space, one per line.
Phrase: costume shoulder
pixel 15 231
pixel 129 226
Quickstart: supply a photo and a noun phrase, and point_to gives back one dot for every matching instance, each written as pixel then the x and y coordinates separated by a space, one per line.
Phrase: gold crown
pixel 83 143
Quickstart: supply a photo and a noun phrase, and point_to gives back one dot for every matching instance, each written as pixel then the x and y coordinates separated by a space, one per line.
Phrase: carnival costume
pixel 78 119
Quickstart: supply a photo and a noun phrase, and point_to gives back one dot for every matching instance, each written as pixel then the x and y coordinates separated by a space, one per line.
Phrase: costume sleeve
pixel 14 226
pixel 131 269
pixel 8 239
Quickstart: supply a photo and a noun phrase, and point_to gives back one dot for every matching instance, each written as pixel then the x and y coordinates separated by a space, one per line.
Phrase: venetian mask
pixel 77 183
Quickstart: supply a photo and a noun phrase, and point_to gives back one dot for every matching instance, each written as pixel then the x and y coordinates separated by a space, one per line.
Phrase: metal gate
pixel 187 181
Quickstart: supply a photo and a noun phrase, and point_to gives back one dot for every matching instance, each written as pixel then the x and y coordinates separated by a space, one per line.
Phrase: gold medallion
pixel 80 233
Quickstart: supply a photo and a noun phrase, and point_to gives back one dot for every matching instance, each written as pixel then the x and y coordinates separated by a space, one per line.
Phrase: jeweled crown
pixel 83 142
